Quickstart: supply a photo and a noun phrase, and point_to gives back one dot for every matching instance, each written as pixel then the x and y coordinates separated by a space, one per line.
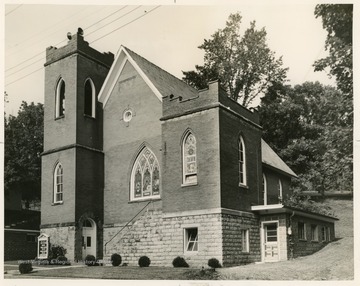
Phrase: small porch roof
pixel 281 209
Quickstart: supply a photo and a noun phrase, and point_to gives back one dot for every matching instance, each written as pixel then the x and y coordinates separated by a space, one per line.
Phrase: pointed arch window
pixel 89 98
pixel 145 176
pixel 264 189
pixel 60 99
pixel 280 191
pixel 189 159
pixel 58 184
pixel 242 162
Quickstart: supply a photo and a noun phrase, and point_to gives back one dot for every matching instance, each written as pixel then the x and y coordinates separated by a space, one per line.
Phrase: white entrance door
pixel 270 242
pixel 88 238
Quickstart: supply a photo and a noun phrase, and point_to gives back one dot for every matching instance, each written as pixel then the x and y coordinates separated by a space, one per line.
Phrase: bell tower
pixel 73 159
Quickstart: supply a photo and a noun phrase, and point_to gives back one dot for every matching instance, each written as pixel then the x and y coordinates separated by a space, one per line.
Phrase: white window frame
pixel 314 232
pixel 245 241
pixel 323 234
pixel 194 240
pixel 189 178
pixel 265 189
pixel 280 190
pixel 133 172
pixel 304 231
pixel 93 97
pixel 57 99
pixel 242 162
pixel 56 184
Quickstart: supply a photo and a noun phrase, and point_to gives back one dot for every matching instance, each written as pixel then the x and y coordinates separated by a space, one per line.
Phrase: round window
pixel 127 115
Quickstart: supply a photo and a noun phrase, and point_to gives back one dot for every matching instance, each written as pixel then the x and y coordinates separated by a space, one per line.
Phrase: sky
pixel 167 35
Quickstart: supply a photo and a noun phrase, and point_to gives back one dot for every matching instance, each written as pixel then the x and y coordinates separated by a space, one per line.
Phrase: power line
pixel 132 21
pixel 24 76
pixel 21 63
pixel 146 13
pixel 17 7
pixel 34 40
pixel 114 20
pixel 106 17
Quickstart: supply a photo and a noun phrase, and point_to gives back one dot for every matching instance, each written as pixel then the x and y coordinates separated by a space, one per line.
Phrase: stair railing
pixel 126 225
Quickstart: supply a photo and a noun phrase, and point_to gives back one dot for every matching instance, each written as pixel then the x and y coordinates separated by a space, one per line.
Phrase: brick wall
pixel 205 193
pixel 234 196
pixel 65 212
pixel 124 140
pixel 16 246
pixel 272 179
pixel 306 246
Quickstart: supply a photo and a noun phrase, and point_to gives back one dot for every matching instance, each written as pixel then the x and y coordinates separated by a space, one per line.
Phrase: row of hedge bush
pixel 145 261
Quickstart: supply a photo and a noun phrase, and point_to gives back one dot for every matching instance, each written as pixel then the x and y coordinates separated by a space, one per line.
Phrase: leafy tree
pixel 309 130
pixel 244 64
pixel 337 20
pixel 23 145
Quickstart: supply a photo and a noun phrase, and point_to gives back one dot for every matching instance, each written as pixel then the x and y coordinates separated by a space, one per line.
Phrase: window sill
pixel 243 186
pixel 302 239
pixel 189 184
pixel 57 203
pixel 60 117
pixel 89 116
pixel 144 200
pixel 315 241
pixel 190 253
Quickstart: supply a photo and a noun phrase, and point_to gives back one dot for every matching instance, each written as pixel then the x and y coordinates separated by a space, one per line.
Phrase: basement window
pixel 245 240
pixel 314 232
pixel 191 240
pixel 301 231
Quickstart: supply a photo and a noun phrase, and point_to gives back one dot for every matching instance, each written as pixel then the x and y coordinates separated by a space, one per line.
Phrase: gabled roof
pixel 271 159
pixel 165 82
pixel 160 82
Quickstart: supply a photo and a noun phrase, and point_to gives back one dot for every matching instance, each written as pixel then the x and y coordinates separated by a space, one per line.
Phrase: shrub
pixel 115 259
pixel 144 261
pixel 179 262
pixel 56 251
pixel 25 268
pixel 214 263
pixel 90 260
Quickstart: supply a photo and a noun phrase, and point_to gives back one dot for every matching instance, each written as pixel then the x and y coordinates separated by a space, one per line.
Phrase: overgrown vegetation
pixel 300 201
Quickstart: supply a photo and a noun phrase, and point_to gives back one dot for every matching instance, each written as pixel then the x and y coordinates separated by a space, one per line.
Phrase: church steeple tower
pixel 72 162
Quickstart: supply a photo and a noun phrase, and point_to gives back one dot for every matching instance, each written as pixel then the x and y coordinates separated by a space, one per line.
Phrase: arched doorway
pixel 88 238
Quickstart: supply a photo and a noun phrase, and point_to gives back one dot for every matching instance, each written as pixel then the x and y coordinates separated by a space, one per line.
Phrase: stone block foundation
pixel 162 237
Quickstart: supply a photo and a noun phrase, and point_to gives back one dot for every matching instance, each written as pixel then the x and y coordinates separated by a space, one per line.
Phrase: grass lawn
pixel 334 262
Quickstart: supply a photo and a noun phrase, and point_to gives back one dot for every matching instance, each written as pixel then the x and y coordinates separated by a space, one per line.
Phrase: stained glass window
pixel 58 184
pixel 145 178
pixel 189 160
pixel 242 162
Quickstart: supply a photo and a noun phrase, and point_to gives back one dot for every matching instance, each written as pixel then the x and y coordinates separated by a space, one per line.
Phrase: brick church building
pixel 136 162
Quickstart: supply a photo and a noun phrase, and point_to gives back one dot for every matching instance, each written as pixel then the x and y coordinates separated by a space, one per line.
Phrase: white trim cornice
pixel 122 58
